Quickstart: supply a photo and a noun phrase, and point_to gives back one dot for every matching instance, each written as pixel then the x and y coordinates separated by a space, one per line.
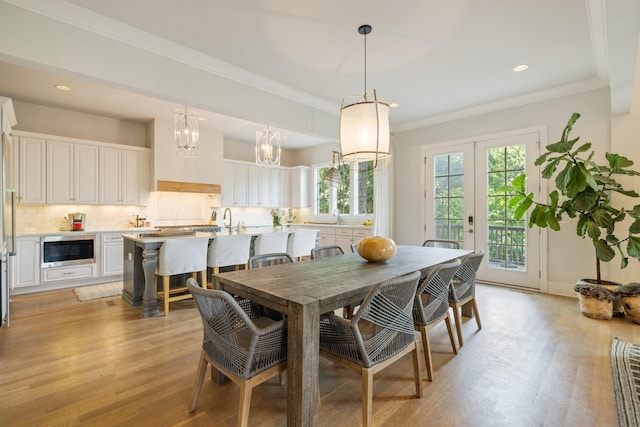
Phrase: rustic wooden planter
pixel 596 301
pixel 630 297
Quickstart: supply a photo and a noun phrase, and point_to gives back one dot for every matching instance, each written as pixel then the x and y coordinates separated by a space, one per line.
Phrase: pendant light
pixel 268 148
pixel 364 122
pixel 186 132
pixel 333 174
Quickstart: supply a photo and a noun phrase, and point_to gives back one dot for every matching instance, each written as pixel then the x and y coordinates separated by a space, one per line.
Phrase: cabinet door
pixel 32 173
pixel 111 254
pixel 110 176
pixel 259 186
pixel 60 172
pixel 234 187
pixel 299 187
pixel 275 187
pixel 27 271
pixel 85 174
pixel 285 185
pixel 131 176
pixel 344 239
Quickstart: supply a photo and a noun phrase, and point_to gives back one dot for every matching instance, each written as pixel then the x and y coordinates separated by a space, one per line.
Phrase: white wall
pixel 565 248
pixel 625 139
pixel 56 121
pixel 246 152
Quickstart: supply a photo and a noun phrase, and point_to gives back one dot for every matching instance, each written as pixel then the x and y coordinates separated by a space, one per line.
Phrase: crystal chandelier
pixel 364 122
pixel 268 148
pixel 186 132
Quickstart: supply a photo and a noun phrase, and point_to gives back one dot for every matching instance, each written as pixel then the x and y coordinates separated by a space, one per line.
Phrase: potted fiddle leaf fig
pixel 583 189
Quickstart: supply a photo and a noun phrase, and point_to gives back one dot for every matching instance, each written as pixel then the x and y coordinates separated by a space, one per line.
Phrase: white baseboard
pixel 561 289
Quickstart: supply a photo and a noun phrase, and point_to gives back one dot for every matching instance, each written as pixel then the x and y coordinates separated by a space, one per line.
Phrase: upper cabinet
pixel 72 173
pixel 32 170
pixel 300 178
pixel 121 176
pixel 235 186
pixel 246 184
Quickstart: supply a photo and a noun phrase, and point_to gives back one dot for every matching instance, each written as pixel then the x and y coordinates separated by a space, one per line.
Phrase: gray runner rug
pixel 625 367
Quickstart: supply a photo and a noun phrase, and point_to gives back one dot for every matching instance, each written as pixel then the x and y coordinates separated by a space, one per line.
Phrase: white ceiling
pixel 439 60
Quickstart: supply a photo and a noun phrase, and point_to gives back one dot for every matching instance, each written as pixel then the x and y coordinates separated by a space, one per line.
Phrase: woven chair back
pixel 432 296
pixel 439 243
pixel 266 260
pixel 326 251
pixel 463 284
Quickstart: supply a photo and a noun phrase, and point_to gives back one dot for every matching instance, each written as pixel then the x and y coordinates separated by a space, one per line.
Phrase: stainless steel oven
pixel 60 251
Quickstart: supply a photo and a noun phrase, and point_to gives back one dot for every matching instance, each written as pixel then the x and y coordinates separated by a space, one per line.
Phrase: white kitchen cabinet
pixel 111 254
pixel 259 186
pixel 300 186
pixel 27 262
pixel 344 239
pixel 72 173
pixel 32 171
pixel 285 187
pixel 327 237
pixel 235 184
pixel 275 187
pixel 121 176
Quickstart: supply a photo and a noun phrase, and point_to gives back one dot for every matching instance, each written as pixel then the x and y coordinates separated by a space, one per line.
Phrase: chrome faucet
pixel 334 214
pixel 224 216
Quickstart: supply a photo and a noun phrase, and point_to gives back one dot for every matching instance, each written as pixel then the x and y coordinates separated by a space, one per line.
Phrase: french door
pixel 463 203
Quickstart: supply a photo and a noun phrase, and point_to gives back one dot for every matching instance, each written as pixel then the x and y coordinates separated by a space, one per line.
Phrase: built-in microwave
pixel 65 250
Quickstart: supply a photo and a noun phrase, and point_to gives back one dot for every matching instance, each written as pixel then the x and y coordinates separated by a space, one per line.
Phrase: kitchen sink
pixel 205 228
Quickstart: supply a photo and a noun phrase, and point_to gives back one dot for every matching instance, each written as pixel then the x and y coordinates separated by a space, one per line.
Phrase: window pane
pixel 456 164
pixel 441 165
pixel 323 195
pixel 365 187
pixel 344 190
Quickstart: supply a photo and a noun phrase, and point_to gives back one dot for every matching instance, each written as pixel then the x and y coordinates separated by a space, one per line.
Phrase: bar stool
pixel 301 242
pixel 180 256
pixel 226 251
pixel 269 243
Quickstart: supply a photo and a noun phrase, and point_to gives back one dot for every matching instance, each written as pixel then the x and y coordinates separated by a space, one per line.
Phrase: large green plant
pixel 583 190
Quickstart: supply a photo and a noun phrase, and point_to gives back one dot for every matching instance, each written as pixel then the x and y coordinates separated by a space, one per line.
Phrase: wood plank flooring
pixel 536 362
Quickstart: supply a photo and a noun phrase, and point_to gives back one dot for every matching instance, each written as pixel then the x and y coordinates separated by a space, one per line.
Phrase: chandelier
pixel 268 148
pixel 364 122
pixel 186 132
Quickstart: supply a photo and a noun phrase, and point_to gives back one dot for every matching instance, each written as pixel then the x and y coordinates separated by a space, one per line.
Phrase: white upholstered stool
pixel 301 242
pixel 181 256
pixel 270 243
pixel 227 251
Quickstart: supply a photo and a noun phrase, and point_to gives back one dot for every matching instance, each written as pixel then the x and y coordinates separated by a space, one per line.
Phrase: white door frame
pixel 541 193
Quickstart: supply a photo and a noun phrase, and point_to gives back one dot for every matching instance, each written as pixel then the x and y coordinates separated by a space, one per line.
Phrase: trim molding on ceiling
pixel 90 21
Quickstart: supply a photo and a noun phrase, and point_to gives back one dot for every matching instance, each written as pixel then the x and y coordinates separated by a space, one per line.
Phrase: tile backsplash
pixel 161 208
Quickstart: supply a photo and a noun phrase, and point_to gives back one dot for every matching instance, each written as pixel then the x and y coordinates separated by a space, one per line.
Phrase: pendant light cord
pixel 365 64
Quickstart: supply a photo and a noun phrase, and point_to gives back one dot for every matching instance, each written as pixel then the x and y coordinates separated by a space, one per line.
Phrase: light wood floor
pixel 536 362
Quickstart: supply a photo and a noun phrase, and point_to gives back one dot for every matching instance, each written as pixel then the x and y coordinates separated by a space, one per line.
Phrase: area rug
pixel 625 366
pixel 87 293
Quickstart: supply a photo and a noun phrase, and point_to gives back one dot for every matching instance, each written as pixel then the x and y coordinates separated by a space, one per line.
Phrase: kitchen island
pixel 140 262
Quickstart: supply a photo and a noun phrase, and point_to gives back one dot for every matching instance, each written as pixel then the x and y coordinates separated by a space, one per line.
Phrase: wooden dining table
pixel 307 289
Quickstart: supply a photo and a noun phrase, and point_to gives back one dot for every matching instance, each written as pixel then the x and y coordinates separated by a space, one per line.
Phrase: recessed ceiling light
pixel 520 68
pixel 202 119
pixel 394 105
pixel 63 88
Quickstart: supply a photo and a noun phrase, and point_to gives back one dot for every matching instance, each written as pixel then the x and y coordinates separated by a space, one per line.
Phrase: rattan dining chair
pixel 326 251
pixel 463 290
pixel 380 333
pixel 266 260
pixel 240 341
pixel 440 243
pixel 431 306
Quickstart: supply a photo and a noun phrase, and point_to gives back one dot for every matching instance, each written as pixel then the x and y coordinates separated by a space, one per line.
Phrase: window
pixel 354 196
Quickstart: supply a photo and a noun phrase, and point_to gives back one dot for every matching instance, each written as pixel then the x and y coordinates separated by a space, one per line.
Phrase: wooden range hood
pixel 189 187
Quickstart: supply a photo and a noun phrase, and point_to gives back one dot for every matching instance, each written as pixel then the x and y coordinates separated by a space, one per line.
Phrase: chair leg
pixel 417 368
pixel 367 397
pixel 202 369
pixel 474 306
pixel 424 333
pixel 165 291
pixel 447 321
pixel 458 320
pixel 245 403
